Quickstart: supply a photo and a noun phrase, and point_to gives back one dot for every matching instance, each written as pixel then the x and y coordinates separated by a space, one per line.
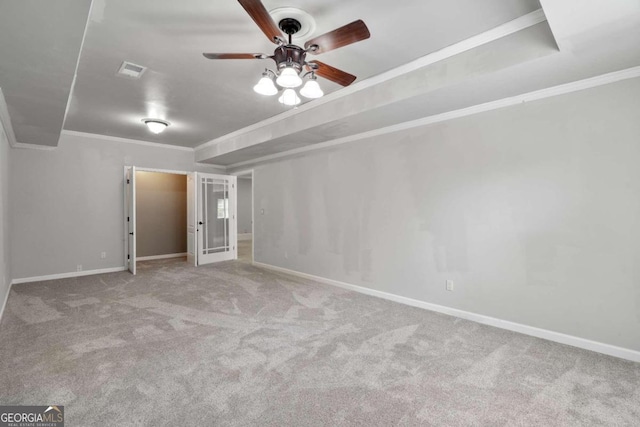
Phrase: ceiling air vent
pixel 133 71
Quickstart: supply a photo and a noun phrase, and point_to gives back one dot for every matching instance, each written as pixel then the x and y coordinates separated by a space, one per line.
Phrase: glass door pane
pixel 216 212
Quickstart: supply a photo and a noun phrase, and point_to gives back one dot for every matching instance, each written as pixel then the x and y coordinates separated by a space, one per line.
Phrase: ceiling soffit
pixel 40 42
pixel 205 99
pixel 308 125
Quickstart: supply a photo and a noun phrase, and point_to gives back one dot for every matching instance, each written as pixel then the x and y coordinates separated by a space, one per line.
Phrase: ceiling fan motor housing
pixel 289 56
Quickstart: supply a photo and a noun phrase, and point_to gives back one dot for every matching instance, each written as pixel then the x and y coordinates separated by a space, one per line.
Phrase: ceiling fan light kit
pixel 290 59
pixel 312 89
pixel 289 78
pixel 289 98
pixel 265 85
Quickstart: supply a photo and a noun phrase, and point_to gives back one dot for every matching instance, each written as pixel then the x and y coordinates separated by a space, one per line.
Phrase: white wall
pixel 5 259
pixel 244 205
pixel 161 214
pixel 533 211
pixel 68 204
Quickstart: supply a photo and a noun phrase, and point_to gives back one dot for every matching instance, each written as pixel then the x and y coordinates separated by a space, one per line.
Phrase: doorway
pixel 181 214
pixel 245 216
pixel 161 217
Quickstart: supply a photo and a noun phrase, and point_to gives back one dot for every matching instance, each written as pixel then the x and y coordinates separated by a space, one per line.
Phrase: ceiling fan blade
pixel 235 55
pixel 331 73
pixel 261 17
pixel 343 36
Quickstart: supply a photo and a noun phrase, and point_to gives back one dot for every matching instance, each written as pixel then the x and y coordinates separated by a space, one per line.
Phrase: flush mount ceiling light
pixel 155 125
pixel 290 59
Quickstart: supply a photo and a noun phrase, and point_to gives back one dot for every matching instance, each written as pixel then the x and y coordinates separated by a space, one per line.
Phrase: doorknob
pixel 199 222
pixel 131 234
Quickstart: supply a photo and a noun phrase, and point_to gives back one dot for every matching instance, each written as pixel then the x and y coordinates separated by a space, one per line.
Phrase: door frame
pixel 130 218
pixel 233 209
pixel 251 172
pixel 126 208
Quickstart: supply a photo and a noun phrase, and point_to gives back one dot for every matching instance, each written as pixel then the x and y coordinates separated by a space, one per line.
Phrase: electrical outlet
pixel 450 285
pixel 103 255
pixel 79 268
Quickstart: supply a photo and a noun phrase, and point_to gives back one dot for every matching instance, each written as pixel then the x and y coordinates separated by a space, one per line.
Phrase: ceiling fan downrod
pixel 290 26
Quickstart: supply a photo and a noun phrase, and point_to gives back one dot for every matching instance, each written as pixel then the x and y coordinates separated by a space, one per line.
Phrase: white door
pixel 131 218
pixel 216 214
pixel 192 208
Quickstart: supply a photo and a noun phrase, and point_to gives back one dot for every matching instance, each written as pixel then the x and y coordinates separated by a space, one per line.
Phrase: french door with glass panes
pixel 216 218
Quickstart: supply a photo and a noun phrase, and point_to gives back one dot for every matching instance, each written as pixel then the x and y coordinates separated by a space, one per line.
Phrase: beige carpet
pixel 245 251
pixel 232 344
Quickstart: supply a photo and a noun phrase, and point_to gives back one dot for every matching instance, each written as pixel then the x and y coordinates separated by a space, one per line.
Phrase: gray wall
pixel 533 211
pixel 244 205
pixel 5 259
pixel 161 214
pixel 68 204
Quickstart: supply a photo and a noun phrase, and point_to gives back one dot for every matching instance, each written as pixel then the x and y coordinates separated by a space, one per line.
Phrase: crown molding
pixel 34 146
pixel 8 129
pixel 566 88
pixel 124 140
pixel 508 28
pixel 5 119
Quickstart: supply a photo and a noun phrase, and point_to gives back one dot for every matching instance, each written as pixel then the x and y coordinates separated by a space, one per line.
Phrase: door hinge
pixel 127 219
pixel 128 256
pixel 128 182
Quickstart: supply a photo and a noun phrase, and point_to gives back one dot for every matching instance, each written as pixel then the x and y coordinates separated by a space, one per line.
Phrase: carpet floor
pixel 233 344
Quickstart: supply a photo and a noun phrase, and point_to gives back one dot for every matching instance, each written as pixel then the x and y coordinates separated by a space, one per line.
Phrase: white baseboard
pixel 245 236
pixel 67 275
pixel 6 298
pixel 611 350
pixel 154 257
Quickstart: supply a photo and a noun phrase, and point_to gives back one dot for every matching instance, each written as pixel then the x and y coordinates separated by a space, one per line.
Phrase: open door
pixel 131 218
pixel 192 207
pixel 216 218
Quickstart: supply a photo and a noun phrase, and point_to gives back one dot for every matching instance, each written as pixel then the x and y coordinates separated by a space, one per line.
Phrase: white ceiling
pixel 212 102
pixel 531 62
pixel 205 99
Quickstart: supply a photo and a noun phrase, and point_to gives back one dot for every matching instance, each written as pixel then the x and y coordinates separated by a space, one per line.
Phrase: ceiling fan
pixel 291 60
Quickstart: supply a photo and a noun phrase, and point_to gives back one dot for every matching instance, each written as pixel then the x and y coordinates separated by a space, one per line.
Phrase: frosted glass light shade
pixel 265 87
pixel 289 78
pixel 290 97
pixel 156 126
pixel 311 90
